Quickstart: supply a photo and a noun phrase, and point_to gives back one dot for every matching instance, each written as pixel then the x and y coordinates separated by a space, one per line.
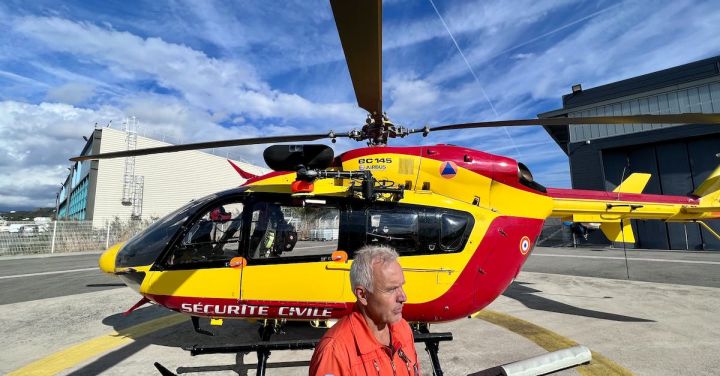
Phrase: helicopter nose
pixel 107 259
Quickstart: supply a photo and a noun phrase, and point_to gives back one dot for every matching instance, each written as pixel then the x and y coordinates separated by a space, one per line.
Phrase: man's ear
pixel 361 295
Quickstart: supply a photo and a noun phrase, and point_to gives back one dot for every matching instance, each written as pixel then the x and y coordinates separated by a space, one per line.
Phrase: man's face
pixel 385 303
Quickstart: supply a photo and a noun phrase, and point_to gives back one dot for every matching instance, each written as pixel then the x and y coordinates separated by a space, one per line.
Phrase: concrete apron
pixel 631 327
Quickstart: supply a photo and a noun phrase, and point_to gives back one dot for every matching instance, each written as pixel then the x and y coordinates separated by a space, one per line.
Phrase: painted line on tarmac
pixel 632 259
pixel 76 354
pixel 48 273
pixel 551 341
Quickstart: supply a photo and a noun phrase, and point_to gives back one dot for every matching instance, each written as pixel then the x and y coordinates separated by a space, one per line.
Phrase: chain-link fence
pixel 28 238
pixel 555 233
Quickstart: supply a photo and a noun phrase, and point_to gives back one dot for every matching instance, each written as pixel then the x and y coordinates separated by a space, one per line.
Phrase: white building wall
pixel 171 179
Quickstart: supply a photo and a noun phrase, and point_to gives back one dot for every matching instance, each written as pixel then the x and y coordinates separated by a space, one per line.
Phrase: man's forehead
pixel 388 272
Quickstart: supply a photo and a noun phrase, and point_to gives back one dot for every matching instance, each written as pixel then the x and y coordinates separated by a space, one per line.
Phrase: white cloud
pixel 625 42
pixel 204 82
pixel 35 144
pixel 71 93
pixel 485 20
pixel 410 97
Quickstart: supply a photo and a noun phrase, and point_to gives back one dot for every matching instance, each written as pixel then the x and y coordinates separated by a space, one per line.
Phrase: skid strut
pixel 432 345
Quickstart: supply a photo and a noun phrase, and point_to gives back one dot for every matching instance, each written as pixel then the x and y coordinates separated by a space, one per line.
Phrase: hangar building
pixel 679 157
pixel 143 187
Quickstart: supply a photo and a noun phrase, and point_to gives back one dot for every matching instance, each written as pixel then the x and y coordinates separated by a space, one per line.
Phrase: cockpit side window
pixel 213 237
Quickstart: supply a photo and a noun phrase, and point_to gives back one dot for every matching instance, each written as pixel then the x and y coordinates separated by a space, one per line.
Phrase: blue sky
pixel 205 70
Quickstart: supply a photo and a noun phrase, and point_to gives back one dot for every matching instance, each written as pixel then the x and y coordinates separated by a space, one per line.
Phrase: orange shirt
pixel 349 348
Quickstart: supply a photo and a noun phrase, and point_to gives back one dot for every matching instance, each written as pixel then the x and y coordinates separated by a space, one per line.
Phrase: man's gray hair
pixel 361 272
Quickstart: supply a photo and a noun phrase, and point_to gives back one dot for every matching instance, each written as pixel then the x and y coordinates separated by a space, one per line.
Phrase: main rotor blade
pixel 359 24
pixel 208 145
pixel 687 118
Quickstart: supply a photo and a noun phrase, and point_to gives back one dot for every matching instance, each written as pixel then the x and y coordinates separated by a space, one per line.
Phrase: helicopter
pixel 463 221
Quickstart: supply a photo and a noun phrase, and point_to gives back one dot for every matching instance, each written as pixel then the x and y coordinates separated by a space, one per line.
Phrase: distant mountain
pixel 20 215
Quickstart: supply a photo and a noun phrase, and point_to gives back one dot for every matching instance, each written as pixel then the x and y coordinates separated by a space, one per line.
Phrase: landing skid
pixel 264 346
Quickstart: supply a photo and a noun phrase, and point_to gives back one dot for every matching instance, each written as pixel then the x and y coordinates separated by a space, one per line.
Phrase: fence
pixel 27 238
pixel 554 234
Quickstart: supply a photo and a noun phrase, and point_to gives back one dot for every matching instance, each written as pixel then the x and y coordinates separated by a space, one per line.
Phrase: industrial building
pixel 140 188
pixel 679 157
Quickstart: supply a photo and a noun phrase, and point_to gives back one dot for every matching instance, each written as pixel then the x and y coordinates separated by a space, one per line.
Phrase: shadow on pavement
pixel 232 332
pixel 526 295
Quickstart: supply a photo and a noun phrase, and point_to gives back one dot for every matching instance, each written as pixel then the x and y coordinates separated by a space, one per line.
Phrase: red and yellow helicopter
pixel 463 221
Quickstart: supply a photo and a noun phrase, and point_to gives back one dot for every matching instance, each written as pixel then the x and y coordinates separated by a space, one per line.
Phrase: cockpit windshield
pixel 212 236
pixel 145 247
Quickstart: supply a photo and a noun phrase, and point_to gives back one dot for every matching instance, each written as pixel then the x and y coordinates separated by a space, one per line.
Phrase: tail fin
pixel 244 174
pixel 614 233
pixel 635 183
pixel 709 190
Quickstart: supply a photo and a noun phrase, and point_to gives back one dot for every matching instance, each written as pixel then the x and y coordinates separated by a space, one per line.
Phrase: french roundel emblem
pixel 524 245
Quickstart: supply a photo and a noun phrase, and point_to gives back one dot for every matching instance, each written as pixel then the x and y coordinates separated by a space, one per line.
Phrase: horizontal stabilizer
pixel 614 233
pixel 635 183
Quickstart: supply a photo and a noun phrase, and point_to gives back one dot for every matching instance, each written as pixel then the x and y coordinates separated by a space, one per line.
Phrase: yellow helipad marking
pixel 76 354
pixel 550 341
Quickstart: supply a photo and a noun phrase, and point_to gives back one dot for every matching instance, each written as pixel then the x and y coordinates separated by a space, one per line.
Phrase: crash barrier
pixel 30 238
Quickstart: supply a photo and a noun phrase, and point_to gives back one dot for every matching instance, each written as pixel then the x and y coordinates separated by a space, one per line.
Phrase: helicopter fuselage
pixel 464 224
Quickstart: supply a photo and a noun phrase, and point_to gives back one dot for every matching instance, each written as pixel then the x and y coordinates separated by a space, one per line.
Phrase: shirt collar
pixel 364 339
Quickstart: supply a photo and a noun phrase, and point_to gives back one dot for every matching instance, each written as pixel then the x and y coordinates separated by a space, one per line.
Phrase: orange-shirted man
pixel 374 339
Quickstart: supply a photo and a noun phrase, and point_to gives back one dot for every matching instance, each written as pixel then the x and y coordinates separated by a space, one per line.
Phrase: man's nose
pixel 402 297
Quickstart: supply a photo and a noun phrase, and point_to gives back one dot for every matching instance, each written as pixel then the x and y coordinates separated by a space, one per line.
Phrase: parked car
pixel 30 230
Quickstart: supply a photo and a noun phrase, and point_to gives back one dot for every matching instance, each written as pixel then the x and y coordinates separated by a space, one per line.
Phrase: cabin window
pixel 444 231
pixel 395 228
pixel 409 229
pixel 453 230
pixel 214 237
pixel 305 228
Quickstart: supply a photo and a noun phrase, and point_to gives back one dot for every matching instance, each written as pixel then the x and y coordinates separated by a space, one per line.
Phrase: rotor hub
pixel 377 129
